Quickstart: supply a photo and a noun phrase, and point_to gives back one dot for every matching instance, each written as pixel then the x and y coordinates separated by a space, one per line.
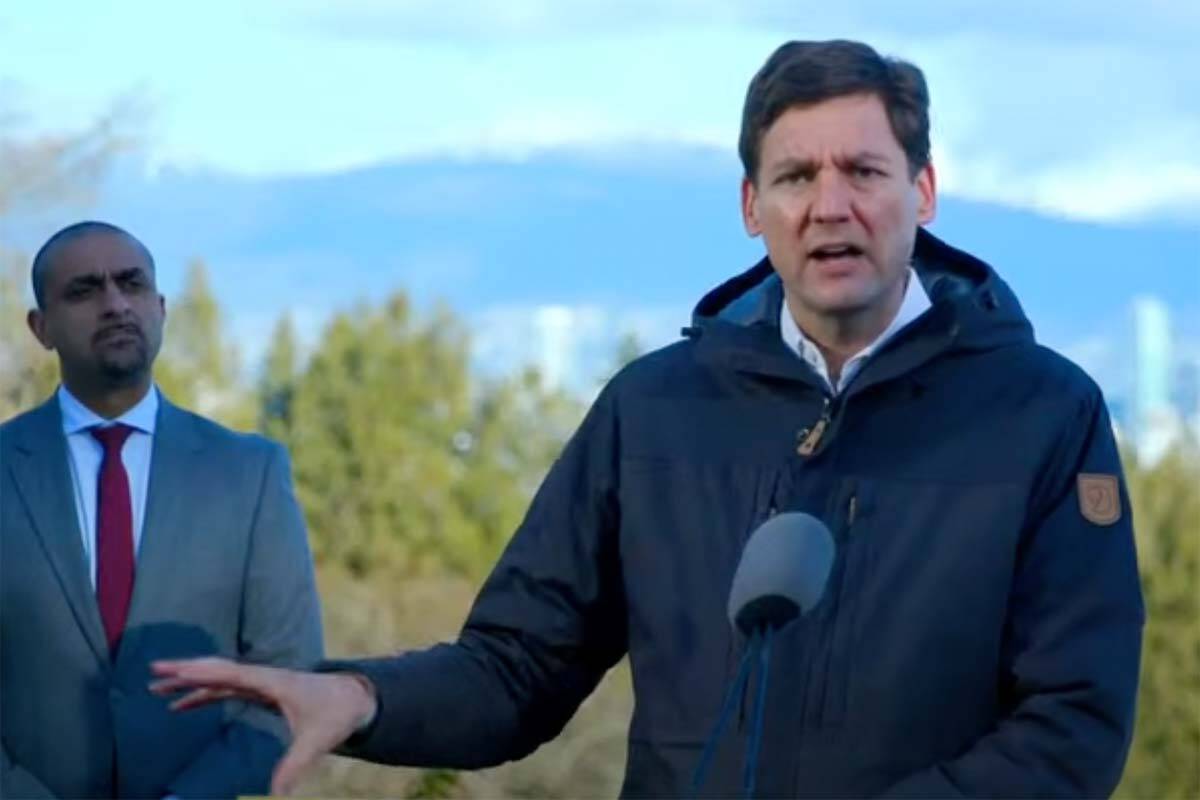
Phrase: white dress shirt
pixel 915 303
pixel 86 455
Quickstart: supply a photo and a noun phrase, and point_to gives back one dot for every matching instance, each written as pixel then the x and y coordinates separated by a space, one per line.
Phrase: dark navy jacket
pixel 979 635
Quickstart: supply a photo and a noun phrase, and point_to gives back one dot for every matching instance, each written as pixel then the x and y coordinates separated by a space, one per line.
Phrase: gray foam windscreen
pixel 783 571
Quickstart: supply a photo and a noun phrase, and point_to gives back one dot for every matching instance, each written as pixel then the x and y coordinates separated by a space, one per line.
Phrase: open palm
pixel 322 710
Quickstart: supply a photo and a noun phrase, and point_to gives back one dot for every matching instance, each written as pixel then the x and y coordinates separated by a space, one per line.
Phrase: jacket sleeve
pixel 548 623
pixel 280 626
pixel 16 781
pixel 1072 643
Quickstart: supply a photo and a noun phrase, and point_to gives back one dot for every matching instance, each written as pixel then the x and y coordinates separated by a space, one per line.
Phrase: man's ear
pixel 926 194
pixel 750 208
pixel 36 321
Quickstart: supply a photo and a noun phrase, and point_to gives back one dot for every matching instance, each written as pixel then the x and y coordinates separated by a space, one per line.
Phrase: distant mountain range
pixel 589 241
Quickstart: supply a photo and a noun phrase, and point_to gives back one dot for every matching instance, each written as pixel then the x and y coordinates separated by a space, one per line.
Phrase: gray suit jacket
pixel 223 568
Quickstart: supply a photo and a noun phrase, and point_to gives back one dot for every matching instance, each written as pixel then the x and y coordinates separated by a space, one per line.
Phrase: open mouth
pixel 832 252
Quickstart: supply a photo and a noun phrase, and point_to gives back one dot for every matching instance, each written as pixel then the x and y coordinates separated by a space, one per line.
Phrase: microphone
pixel 785 565
pixel 782 574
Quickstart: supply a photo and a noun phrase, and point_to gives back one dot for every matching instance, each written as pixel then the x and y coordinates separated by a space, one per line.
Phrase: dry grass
pixel 586 760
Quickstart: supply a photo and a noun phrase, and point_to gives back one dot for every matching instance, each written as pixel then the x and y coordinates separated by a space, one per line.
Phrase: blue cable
pixel 710 748
pixel 750 775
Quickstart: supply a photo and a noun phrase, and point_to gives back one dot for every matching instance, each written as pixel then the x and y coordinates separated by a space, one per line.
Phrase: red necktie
pixel 114 535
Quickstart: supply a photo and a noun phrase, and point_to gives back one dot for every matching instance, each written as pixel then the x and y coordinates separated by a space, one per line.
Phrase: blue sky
pixel 377 117
pixel 1087 110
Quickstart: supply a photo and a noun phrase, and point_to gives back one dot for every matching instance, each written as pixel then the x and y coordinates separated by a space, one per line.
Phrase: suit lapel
pixel 43 479
pixel 172 471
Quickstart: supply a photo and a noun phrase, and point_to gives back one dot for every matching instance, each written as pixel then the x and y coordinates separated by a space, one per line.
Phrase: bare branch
pixel 53 169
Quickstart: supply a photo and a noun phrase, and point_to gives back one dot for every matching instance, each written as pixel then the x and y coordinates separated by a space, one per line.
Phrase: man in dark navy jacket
pixel 981 629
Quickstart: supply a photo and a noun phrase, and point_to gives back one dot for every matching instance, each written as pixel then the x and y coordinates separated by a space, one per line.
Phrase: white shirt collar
pixel 915 303
pixel 77 417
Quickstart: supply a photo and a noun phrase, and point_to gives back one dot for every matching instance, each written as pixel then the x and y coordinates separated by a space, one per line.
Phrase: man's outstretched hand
pixel 322 710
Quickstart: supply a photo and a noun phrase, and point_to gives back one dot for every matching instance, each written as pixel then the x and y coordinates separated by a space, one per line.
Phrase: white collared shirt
pixel 86 455
pixel 915 303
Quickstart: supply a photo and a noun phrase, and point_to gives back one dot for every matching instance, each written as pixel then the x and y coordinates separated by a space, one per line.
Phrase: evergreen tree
pixel 1165 757
pixel 277 383
pixel 199 365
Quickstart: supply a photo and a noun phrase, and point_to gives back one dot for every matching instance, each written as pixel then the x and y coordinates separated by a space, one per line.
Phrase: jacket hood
pixel 968 296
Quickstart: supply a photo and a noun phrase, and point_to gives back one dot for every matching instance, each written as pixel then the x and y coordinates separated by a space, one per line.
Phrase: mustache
pixel 118 327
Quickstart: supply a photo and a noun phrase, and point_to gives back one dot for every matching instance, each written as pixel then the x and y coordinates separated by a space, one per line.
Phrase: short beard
pixel 126 372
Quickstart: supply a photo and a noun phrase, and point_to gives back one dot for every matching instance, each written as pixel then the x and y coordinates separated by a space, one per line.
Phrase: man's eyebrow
pixel 81 281
pixel 793 163
pixel 806 163
pixel 93 279
pixel 863 156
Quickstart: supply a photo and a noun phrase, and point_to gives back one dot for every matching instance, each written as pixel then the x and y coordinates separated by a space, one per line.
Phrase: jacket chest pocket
pixel 921 576
pixel 683 527
pixel 817 653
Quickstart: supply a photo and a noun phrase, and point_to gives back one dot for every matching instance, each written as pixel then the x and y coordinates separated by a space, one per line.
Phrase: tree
pixel 517 429
pixel 1165 758
pixel 628 349
pixel 28 373
pixel 402 464
pixel 50 170
pixel 199 366
pixel 41 172
pixel 374 415
pixel 413 475
pixel 277 383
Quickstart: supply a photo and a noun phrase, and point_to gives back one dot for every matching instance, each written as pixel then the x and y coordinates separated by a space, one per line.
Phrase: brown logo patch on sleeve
pixel 1099 498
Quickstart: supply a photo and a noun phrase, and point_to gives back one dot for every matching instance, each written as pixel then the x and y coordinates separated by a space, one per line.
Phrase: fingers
pixel 174 666
pixel 201 697
pixel 214 673
pixel 215 679
pixel 168 686
pixel 321 716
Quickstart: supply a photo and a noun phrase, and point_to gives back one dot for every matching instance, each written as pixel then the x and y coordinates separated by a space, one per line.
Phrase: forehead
pixel 845 125
pixel 94 253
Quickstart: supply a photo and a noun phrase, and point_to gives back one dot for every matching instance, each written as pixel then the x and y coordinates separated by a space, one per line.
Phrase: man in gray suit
pixel 132 530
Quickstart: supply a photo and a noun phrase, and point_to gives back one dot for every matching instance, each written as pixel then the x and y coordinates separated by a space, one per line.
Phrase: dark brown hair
pixel 805 73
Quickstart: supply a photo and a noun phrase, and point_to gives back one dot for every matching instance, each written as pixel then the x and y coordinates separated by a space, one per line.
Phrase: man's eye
pixel 866 172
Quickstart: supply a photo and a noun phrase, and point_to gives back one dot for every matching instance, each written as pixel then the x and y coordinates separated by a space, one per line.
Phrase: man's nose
pixel 113 299
pixel 831 197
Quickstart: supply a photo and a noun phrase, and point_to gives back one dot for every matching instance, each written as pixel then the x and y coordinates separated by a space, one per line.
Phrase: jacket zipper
pixel 810 438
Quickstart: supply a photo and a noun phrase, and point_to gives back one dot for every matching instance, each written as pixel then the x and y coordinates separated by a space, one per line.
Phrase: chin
pixel 841 303
pixel 124 374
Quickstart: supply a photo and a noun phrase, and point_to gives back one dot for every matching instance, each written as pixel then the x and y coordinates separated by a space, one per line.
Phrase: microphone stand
pixel 750 776
pixel 759 644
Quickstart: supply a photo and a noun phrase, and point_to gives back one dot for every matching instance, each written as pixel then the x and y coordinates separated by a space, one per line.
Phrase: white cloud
pixel 1116 189
pixel 519 136
pixel 1078 109
pixel 1078 129
pixel 574 346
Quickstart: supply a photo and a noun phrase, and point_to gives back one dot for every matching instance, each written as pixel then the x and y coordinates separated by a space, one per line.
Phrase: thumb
pixel 299 758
